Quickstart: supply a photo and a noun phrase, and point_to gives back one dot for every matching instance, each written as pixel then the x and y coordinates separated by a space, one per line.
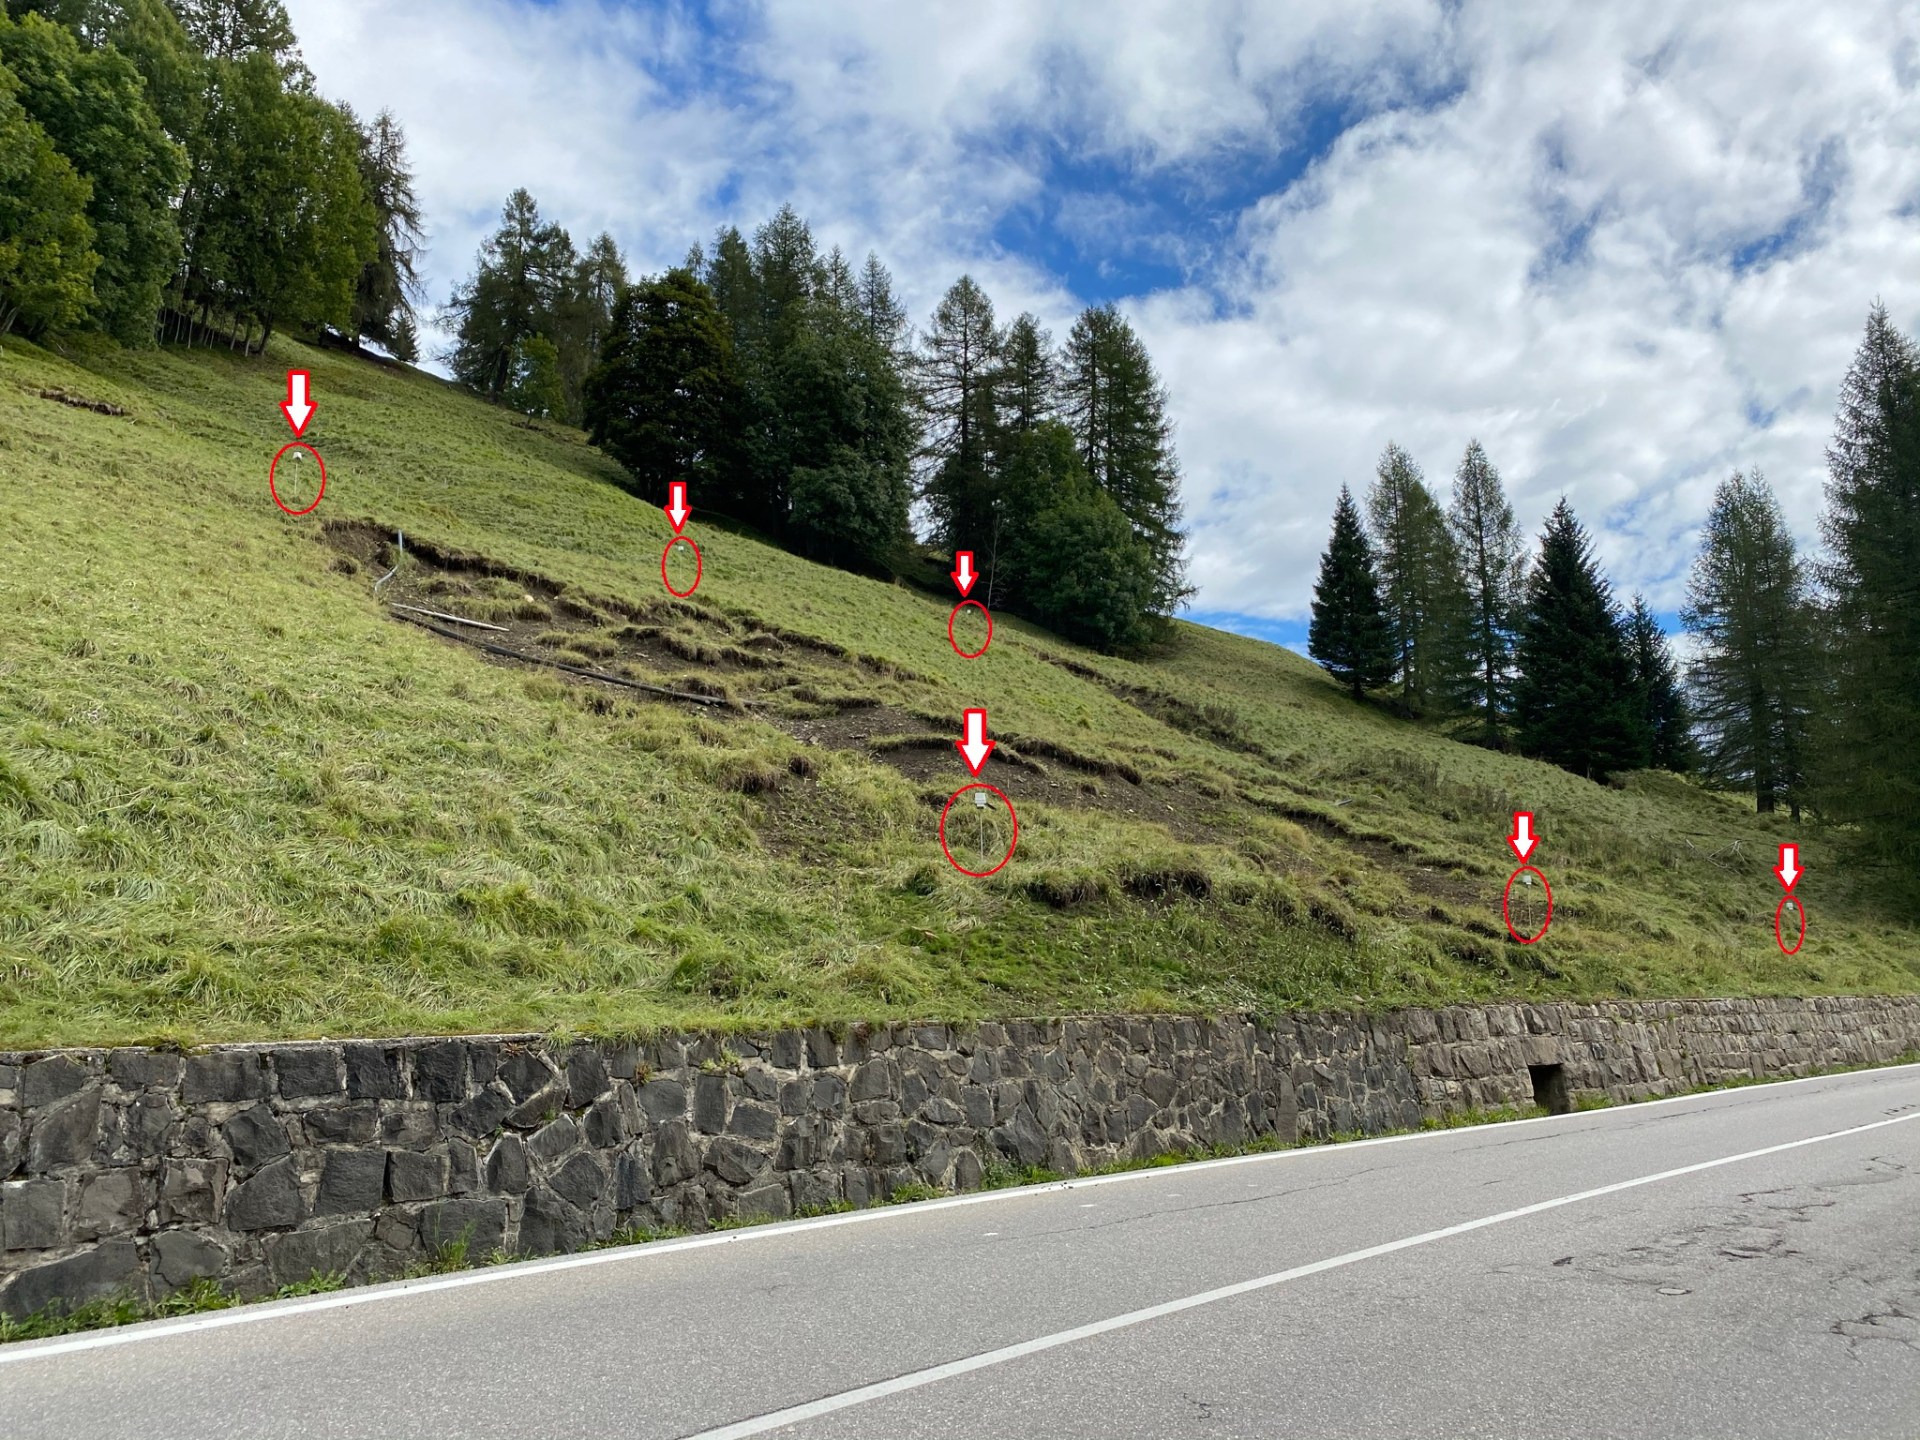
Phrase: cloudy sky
pixel 1629 247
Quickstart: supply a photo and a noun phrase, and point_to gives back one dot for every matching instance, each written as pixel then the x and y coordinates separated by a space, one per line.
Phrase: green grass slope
pixel 240 796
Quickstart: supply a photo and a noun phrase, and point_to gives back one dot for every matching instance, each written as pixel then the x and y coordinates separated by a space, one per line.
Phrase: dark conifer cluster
pixel 167 171
pixel 1804 686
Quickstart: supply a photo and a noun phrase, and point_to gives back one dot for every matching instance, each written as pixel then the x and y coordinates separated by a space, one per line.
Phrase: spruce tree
pixel 1112 398
pixel 517 285
pixel 1420 588
pixel 1661 716
pixel 1752 678
pixel 1493 570
pixel 1348 632
pixel 1028 377
pixel 1870 768
pixel 1574 698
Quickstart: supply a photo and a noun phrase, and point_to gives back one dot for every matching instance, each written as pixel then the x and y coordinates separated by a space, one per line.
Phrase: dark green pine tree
pixel 1421 592
pixel 958 371
pixel 1574 699
pixel 1665 728
pixel 519 282
pixel 1348 632
pixel 1493 569
pixel 1870 767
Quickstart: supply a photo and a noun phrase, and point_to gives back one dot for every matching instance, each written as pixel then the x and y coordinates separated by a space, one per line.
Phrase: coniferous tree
pixel 405 345
pixel 1493 571
pixel 389 284
pixel 1028 376
pixel 1574 699
pixel 518 284
pixel 664 399
pixel 1747 608
pixel 1348 633
pixel 1870 768
pixel 1111 396
pixel 1420 588
pixel 958 370
pixel 884 315
pixel 1661 717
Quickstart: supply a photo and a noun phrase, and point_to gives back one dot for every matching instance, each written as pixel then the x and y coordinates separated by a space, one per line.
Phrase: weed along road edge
pixel 1348 1289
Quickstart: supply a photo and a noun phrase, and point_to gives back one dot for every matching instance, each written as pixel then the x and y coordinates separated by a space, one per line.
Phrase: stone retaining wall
pixel 138 1170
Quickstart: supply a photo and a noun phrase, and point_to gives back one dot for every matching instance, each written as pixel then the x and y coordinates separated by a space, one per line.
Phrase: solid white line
pixel 404 1289
pixel 914 1380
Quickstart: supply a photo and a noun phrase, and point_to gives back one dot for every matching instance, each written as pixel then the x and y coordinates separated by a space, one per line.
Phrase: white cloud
pixel 1530 237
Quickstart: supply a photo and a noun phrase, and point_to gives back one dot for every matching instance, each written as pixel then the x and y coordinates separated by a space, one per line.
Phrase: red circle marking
pixel 1506 896
pixel 1011 814
pixel 1779 912
pixel 970 654
pixel 680 540
pixel 273 490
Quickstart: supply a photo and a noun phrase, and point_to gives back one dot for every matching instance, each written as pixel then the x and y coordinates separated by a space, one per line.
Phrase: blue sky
pixel 1627 247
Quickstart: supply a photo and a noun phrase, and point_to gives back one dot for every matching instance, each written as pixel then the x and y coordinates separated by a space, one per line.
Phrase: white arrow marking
pixel 1522 839
pixel 678 510
pixel 1789 868
pixel 296 406
pixel 976 747
pixel 963 571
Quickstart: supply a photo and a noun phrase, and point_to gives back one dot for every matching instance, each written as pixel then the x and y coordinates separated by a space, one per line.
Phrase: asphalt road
pixel 1740 1264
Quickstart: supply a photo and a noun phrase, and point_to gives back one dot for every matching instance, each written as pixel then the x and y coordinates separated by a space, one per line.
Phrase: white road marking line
pixel 914 1380
pixel 525 1269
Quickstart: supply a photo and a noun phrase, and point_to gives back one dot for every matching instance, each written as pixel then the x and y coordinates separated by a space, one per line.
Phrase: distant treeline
pixel 168 171
pixel 788 389
pixel 1804 688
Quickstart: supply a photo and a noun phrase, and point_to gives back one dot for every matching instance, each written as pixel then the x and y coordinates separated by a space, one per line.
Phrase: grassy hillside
pixel 240 795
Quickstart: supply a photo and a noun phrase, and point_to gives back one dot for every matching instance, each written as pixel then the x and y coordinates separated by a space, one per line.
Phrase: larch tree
pixel 1347 634
pixel 957 373
pixel 1747 608
pixel 1420 586
pixel 1493 567
pixel 389 284
pixel 518 282
pixel 1870 766
pixel 1111 397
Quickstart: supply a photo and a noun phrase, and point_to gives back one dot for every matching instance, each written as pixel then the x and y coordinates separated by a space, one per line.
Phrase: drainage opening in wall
pixel 1550 1091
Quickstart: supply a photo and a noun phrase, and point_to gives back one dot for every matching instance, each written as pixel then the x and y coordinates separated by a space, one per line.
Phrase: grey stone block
pixel 351 1182
pixel 255 1136
pixel 413 1175
pixel 875 1080
pixel 551 1226
pixel 440 1071
pixel 664 1100
pixel 551 1142
pixel 823 1051
pixel 735 1161
pixel 224 1075
pixel 65 1132
pixel 177 1258
pixel 408 1124
pixel 306 1070
pixel 675 1156
pixel 507 1169
pixel 54 1078
pixel 482 1113
pixel 631 1180
pixel 111 1203
pixel 373 1072
pixel 767 1201
pixel 13 1143
pixel 463 1168
pixel 192 1189
pixel 140 1130
pixel 525 1074
pixel 606 1124
pixel 331 1249
pixel 355 1123
pixel 481 1224
pixel 710 1104
pixel 755 1122
pixel 581 1181
pixel 586 1076
pixel 99 1273
pixel 138 1068
pixel 32 1214
pixel 269 1200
